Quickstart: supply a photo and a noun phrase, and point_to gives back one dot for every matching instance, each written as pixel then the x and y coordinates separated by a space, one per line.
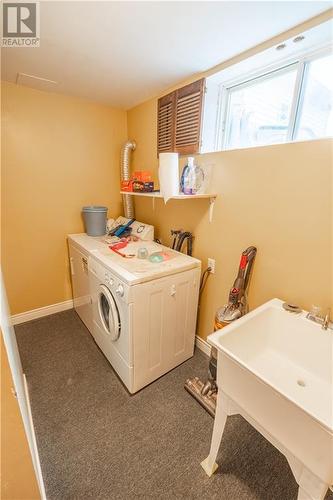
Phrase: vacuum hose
pixel 125 175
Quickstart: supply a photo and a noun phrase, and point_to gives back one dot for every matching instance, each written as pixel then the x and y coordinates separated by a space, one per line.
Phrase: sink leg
pixel 312 490
pixel 209 464
pixel 311 487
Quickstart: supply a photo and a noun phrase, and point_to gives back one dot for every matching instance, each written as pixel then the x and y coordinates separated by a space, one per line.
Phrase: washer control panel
pixel 109 280
pixel 120 290
pixel 114 284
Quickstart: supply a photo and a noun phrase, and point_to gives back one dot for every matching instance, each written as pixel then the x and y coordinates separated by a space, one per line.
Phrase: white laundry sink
pixel 275 368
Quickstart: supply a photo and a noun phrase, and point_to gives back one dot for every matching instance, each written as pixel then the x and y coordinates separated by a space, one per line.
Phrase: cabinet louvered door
pixel 166 123
pixel 179 119
pixel 188 111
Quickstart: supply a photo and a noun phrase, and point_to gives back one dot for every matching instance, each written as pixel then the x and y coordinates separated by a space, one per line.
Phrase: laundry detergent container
pixel 95 220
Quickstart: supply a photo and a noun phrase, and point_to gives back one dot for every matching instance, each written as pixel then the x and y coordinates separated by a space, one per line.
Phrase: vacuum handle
pixel 243 261
pixel 249 254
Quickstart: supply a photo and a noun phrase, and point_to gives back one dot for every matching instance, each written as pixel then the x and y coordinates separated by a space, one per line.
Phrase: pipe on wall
pixel 125 175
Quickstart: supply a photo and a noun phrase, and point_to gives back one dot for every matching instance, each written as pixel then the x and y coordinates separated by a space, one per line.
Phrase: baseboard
pixel 202 345
pixel 36 461
pixel 42 311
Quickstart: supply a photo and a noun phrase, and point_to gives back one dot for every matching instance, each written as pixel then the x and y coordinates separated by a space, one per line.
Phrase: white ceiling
pixel 123 53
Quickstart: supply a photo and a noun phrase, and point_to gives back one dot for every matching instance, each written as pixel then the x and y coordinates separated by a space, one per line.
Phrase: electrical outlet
pixel 211 264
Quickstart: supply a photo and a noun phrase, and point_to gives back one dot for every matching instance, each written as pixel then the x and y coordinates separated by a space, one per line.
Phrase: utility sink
pixel 275 368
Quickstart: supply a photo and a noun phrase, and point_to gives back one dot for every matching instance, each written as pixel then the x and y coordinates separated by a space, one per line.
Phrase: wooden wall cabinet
pixel 179 119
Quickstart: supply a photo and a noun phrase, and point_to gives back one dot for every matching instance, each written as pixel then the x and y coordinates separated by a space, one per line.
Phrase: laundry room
pixel 167 250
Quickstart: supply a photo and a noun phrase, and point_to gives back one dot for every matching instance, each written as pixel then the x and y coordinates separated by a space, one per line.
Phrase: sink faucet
pixel 325 322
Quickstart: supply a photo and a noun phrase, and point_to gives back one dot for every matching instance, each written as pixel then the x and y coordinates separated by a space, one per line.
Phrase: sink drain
pixel 301 382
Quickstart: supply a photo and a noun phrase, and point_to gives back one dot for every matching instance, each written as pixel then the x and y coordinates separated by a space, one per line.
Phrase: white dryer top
pixel 135 270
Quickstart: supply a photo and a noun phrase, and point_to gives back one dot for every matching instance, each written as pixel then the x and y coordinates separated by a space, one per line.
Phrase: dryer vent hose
pixel 125 175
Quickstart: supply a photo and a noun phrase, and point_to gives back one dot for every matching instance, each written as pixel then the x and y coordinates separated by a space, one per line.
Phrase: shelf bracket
pixel 211 207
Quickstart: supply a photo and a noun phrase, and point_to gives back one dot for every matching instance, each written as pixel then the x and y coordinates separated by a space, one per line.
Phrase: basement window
pixel 314 117
pixel 258 112
pixel 268 99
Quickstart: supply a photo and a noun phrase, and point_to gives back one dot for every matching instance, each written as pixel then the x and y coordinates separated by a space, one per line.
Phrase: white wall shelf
pixel 156 194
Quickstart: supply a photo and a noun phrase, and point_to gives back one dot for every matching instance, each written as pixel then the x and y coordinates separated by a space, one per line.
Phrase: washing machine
pixel 112 306
pixel 80 247
pixel 143 311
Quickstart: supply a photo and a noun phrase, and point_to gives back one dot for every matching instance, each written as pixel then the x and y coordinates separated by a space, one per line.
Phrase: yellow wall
pixel 278 198
pixel 58 154
pixel 18 481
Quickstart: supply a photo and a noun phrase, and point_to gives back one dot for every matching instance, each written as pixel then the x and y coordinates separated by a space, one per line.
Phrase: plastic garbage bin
pixel 95 220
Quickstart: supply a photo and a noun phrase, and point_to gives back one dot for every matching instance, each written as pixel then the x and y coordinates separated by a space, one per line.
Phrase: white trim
pixel 246 76
pixel 42 311
pixel 296 107
pixel 34 451
pixel 202 345
pixel 18 378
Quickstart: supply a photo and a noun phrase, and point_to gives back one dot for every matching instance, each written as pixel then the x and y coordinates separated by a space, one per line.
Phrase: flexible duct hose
pixel 125 175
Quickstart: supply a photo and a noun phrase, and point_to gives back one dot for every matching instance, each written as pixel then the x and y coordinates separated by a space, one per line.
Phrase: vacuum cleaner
pixel 237 306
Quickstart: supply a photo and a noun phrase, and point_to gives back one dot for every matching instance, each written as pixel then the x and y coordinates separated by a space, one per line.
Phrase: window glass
pixel 259 112
pixel 316 111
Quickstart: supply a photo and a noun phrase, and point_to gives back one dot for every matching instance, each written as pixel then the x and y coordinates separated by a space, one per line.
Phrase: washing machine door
pixel 108 313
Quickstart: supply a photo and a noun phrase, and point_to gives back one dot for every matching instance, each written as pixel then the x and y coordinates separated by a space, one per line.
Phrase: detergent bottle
pixel 187 182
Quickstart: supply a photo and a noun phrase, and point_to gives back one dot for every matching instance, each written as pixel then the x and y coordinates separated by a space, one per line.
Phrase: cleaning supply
pixel 142 253
pixel 192 178
pixel 143 187
pixel 94 220
pixel 142 181
pixel 187 178
pixel 158 257
pixel 121 230
pixel 237 304
pixel 206 393
pixel 118 246
pixel 198 180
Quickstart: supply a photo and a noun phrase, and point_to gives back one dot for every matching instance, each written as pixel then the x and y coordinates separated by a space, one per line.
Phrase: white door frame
pixel 20 384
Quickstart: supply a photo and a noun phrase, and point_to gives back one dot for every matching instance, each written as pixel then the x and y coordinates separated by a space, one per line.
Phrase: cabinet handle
pixel 85 264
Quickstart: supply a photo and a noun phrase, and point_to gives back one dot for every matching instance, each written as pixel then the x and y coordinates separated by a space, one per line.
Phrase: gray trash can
pixel 95 220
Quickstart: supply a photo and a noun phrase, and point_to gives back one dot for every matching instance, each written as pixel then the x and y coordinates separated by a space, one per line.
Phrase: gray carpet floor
pixel 98 442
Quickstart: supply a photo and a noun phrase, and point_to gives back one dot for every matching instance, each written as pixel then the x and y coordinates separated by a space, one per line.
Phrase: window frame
pixel 300 61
